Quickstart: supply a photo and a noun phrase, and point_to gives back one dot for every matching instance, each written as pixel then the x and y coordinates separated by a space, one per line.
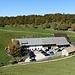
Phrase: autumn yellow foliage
pixel 14 47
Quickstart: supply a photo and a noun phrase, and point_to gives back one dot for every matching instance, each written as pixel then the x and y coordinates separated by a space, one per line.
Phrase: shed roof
pixel 70 49
pixel 60 35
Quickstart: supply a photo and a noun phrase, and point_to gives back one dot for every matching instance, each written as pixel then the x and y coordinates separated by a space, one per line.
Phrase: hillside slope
pixel 7 33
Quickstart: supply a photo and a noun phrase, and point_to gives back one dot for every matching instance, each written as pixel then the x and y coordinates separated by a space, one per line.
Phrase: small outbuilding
pixel 68 51
pixel 62 35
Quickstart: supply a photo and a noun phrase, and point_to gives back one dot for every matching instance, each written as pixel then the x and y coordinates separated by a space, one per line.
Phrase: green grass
pixel 8 33
pixel 62 67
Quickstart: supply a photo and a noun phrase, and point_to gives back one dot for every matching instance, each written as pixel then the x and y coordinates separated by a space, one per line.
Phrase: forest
pixel 56 21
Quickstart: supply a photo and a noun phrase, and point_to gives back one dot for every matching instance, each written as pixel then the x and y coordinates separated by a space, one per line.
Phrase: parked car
pixel 14 62
pixel 43 52
pixel 51 53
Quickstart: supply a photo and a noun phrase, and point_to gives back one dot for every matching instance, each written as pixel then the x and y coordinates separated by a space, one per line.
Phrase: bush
pixel 1 64
pixel 62 27
pixel 73 27
pixel 47 25
pixel 2 25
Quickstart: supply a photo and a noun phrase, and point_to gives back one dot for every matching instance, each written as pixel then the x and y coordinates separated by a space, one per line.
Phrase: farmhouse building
pixel 43 43
pixel 68 51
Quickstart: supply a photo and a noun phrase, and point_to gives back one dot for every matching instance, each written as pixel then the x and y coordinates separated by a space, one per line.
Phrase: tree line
pixel 57 21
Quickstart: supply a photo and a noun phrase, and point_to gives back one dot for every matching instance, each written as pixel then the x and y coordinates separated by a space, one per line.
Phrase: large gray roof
pixel 43 41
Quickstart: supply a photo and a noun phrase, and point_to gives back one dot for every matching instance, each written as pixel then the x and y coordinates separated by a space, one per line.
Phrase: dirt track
pixel 23 63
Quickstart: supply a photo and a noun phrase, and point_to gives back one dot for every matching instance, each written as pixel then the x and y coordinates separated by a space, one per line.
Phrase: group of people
pixel 32 56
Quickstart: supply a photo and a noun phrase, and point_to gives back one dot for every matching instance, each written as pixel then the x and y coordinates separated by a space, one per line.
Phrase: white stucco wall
pixel 54 47
pixel 36 47
pixel 64 52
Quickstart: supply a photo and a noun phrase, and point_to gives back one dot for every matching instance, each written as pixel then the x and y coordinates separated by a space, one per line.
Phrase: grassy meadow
pixel 8 33
pixel 65 67
pixel 62 67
